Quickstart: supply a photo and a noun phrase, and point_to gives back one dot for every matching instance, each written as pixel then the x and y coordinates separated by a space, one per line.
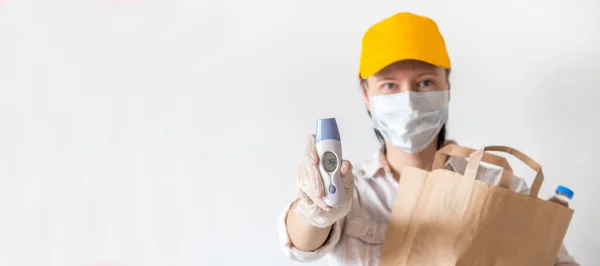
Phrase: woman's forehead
pixel 409 67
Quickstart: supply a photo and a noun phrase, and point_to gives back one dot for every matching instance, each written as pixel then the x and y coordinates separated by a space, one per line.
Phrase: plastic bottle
pixel 563 196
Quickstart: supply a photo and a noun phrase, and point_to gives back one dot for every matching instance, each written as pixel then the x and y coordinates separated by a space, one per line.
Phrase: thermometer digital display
pixel 329 161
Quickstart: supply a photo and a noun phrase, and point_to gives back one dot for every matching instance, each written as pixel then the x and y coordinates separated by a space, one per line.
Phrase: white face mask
pixel 410 120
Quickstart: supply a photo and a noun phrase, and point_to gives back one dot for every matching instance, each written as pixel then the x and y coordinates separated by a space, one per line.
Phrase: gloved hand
pixel 311 190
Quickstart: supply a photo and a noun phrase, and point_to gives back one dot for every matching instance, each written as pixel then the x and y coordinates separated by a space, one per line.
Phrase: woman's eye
pixel 389 86
pixel 425 83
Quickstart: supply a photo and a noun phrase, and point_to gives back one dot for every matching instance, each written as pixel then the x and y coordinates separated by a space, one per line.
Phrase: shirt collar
pixel 377 166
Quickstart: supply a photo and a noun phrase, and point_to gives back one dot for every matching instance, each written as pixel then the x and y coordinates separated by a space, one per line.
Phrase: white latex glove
pixel 311 190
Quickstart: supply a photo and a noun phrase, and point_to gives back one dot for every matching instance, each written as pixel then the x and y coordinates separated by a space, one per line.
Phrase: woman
pixel 404 74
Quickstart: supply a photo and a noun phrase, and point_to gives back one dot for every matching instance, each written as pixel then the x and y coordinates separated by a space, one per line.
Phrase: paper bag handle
pixel 539 177
pixel 454 150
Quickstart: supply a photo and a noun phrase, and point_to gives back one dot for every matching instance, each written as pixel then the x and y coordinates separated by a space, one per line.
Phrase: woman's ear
pixel 363 88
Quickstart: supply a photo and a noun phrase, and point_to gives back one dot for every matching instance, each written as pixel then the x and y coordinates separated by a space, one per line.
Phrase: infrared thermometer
pixel 329 150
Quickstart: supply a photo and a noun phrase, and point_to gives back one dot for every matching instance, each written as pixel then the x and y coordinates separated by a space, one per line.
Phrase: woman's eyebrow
pixel 385 78
pixel 432 72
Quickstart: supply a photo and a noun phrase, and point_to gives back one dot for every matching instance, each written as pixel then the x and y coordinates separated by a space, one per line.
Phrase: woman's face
pixel 406 75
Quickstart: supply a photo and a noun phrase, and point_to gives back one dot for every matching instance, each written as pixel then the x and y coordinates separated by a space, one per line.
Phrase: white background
pixel 146 132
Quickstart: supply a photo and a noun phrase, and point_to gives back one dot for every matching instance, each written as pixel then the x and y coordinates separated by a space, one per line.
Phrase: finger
pixel 310 149
pixel 316 181
pixel 302 174
pixel 321 203
pixel 348 181
pixel 305 182
pixel 305 198
pixel 346 168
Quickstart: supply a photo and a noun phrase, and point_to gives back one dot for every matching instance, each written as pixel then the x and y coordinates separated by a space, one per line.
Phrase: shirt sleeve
pixel 294 254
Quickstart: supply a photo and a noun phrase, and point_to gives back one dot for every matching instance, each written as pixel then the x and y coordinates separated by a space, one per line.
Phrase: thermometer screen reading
pixel 329 161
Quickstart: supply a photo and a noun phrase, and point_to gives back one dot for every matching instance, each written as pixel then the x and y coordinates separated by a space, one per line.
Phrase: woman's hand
pixel 311 190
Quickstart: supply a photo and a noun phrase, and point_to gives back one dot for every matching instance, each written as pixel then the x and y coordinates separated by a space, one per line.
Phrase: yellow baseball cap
pixel 400 37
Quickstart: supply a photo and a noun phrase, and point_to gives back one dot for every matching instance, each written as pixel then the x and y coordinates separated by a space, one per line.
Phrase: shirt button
pixel 370 232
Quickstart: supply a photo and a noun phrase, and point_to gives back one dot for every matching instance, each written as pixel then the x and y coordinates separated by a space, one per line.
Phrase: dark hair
pixel 441 136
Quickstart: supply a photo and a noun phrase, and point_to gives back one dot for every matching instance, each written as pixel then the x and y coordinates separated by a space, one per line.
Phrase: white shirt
pixel 358 238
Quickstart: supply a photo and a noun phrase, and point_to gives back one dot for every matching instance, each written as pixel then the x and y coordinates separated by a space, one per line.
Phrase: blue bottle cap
pixel 565 191
pixel 327 129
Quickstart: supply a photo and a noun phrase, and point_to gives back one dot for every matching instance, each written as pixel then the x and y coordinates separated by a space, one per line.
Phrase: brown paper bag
pixel 444 218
